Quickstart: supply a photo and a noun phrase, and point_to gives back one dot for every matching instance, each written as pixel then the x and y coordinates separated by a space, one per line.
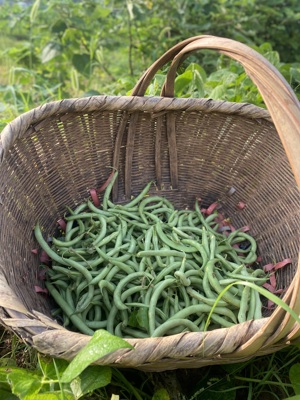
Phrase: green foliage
pixel 228 82
pixel 71 48
pixel 275 376
pixel 102 343
pixel 58 379
pixel 55 49
pixel 294 375
pixel 161 394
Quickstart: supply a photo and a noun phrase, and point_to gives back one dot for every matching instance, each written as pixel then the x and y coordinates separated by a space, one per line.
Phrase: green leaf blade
pixel 101 344
pixel 294 375
pixel 92 378
pixel 24 384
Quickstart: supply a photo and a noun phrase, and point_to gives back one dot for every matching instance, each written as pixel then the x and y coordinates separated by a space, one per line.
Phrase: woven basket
pixel 52 155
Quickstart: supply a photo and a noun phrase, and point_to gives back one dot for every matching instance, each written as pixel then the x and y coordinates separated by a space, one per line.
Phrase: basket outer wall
pixel 61 156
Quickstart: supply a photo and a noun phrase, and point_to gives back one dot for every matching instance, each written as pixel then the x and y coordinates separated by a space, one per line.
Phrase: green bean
pixel 85 215
pixel 258 306
pixel 91 313
pixel 107 285
pixel 104 260
pixel 235 290
pixel 184 295
pixel 125 213
pixel 85 272
pixel 204 223
pixel 239 268
pixel 84 302
pixel 107 239
pixel 111 319
pixel 106 300
pixel 98 312
pixel 114 261
pixel 66 320
pixel 216 285
pixel 122 206
pixel 136 224
pixel 113 271
pixel 66 272
pixel 44 245
pixel 211 302
pixel 222 321
pixel 157 199
pixel 117 293
pixel 155 295
pixel 102 232
pixel 161 253
pixel 130 292
pixel 166 306
pixel 98 211
pixel 258 272
pixel 152 216
pixel 212 248
pixel 203 308
pixel 210 218
pixel 57 242
pixel 157 248
pixel 181 230
pixel 229 265
pixel 176 303
pixel 165 327
pixel 60 283
pixel 108 191
pixel 244 304
pixel 173 219
pixel 134 333
pixel 205 241
pixel 182 278
pixel 252 305
pixel 80 325
pixel 251 257
pixel 96 324
pixel 70 251
pixel 206 285
pixel 84 314
pixel 166 271
pixel 198 282
pixel 137 199
pixel 69 298
pixel 181 233
pixel 77 210
pixel 69 235
pixel 118 329
pixel 190 219
pixel 234 278
pixel 170 243
pixel 198 247
pixel 182 216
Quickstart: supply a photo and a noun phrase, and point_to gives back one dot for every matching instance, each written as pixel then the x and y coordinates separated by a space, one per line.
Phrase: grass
pixel 6 62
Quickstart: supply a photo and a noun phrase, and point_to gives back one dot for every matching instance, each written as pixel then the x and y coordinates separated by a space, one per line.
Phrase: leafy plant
pixel 58 379
pixel 228 82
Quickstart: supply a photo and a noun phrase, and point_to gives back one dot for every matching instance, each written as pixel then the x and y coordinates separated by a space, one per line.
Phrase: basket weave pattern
pixel 51 156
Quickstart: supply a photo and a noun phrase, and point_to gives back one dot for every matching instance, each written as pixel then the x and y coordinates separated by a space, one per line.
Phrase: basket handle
pixel 278 96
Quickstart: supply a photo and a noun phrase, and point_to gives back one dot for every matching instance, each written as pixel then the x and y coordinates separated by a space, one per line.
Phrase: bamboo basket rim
pixel 148 104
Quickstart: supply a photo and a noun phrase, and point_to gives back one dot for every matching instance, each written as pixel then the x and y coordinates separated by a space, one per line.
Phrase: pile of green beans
pixel 144 269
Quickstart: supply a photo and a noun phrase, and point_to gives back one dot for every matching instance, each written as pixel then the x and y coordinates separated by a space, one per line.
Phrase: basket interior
pixel 61 157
